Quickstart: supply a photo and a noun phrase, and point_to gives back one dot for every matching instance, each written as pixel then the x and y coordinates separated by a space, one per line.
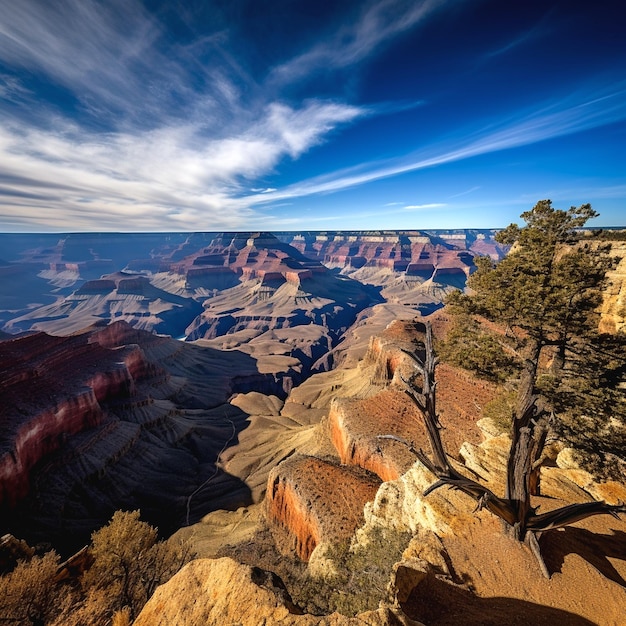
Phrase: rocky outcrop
pixel 51 389
pixel 613 309
pixel 355 427
pixel 115 297
pixel 204 592
pixel 250 256
pixel 298 501
pixel 279 288
pixel 316 500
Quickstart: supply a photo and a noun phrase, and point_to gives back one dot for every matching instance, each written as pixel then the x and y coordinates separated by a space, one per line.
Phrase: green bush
pixel 500 410
pixel 363 574
pixel 471 347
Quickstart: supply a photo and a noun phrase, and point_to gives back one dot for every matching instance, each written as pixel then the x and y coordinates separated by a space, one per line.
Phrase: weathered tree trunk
pixel 523 446
pixel 518 517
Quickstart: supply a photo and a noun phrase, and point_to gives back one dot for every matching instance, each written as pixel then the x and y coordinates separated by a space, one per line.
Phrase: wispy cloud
pixel 417 207
pixel 162 140
pixel 153 133
pixel 378 22
pixel 465 193
pixel 540 29
pixel 577 112
pixel 172 177
pixel 98 51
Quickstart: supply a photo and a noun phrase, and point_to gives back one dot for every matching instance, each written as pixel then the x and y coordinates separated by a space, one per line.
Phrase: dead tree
pixel 520 519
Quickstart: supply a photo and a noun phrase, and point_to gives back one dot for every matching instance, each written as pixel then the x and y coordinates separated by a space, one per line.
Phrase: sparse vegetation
pixel 362 575
pixel 30 593
pixel 357 580
pixel 545 293
pixel 473 347
pixel 501 409
pixel 129 562
pixel 545 296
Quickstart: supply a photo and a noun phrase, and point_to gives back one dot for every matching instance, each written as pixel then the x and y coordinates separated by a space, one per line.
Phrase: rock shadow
pixel 438 603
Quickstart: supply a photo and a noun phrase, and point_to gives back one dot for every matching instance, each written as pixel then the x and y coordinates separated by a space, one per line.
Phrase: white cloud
pixel 577 112
pixel 379 21
pixel 416 207
pixel 179 137
pixel 172 177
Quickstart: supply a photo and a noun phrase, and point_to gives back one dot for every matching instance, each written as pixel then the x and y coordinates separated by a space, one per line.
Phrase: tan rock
pixel 613 308
pixel 400 504
pixel 222 592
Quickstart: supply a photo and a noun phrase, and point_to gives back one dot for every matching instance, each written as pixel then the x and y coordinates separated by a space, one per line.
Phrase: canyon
pixel 125 354
pixel 234 387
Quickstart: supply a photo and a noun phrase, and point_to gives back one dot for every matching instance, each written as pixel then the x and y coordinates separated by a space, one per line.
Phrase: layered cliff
pixel 40 409
pixel 67 281
pixel 118 296
pixel 316 500
pixel 416 268
pixel 115 417
pixel 411 252
pixel 451 570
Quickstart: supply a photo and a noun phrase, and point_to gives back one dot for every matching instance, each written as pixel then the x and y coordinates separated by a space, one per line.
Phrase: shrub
pixel 30 594
pixel 473 348
pixel 130 562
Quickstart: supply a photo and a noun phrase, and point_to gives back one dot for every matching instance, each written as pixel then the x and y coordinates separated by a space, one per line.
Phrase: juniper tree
pixel 545 293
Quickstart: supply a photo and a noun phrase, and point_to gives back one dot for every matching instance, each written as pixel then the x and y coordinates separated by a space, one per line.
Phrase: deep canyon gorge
pixel 226 383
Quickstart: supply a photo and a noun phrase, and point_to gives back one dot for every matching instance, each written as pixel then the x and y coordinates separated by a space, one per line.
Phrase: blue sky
pixel 289 115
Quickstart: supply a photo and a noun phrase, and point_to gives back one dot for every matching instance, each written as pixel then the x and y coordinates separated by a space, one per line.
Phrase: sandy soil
pixel 502 584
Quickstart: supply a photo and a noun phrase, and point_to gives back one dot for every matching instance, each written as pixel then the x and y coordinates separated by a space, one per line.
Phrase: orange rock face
pixel 355 426
pixel 314 500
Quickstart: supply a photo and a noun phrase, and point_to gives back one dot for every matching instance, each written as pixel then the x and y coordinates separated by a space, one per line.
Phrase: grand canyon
pixel 234 388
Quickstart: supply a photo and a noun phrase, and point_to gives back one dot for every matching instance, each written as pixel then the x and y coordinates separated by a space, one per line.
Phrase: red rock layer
pixel 251 256
pixel 52 388
pixel 355 427
pixel 313 500
pixel 413 252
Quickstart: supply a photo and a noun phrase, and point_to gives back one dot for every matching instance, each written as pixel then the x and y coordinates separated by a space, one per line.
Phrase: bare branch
pixel 573 513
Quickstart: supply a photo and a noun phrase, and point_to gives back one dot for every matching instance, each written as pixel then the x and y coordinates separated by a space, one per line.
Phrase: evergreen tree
pixel 546 294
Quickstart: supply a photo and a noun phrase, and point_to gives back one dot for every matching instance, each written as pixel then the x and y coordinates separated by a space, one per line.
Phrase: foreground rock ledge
pixel 221 592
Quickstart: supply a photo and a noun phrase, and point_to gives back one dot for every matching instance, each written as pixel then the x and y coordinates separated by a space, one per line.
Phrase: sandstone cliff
pixel 204 593
pixel 613 310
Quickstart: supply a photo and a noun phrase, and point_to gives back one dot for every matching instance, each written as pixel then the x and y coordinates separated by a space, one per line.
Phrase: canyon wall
pixel 115 417
pixel 613 310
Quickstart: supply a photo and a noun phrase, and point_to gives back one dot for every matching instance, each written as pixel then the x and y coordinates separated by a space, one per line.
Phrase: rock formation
pixel 50 277
pixel 115 417
pixel 415 268
pixel 458 568
pixel 317 500
pixel 613 311
pixel 116 297
pixel 203 592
